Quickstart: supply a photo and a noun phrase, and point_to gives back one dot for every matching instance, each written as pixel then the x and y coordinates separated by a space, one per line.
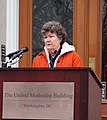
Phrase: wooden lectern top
pixel 87 86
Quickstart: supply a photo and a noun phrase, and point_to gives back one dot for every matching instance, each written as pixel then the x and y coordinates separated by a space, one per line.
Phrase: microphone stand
pixel 11 62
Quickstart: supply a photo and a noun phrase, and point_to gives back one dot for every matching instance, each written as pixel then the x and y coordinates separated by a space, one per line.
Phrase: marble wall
pixel 58 10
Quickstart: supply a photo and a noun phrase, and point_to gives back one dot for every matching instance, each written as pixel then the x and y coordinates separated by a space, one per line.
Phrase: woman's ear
pixel 60 38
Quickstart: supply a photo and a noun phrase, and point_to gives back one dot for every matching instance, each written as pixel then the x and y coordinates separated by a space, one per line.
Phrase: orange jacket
pixel 69 58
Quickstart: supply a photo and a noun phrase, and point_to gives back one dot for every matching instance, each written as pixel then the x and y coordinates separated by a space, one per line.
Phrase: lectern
pixel 86 93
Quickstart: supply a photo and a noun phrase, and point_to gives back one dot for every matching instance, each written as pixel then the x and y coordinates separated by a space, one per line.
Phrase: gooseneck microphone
pixel 17 53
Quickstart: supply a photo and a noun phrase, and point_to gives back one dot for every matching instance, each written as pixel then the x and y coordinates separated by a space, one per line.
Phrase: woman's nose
pixel 48 39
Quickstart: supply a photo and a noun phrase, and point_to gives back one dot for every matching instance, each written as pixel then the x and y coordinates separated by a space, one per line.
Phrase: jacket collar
pixel 65 48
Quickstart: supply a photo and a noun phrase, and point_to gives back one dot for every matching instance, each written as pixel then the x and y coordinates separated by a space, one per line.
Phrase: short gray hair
pixel 54 27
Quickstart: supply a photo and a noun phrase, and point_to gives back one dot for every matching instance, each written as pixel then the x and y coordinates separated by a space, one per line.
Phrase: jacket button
pixel 58 61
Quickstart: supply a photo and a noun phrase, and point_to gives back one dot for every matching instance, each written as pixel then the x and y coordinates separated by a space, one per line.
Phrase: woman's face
pixel 52 42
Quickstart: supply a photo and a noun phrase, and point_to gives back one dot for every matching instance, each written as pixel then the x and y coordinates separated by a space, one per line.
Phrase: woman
pixel 57 52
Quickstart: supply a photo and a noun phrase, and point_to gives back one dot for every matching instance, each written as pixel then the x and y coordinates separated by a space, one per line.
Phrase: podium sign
pixel 38 100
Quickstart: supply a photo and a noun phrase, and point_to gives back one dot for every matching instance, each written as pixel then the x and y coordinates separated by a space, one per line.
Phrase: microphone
pixel 17 53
